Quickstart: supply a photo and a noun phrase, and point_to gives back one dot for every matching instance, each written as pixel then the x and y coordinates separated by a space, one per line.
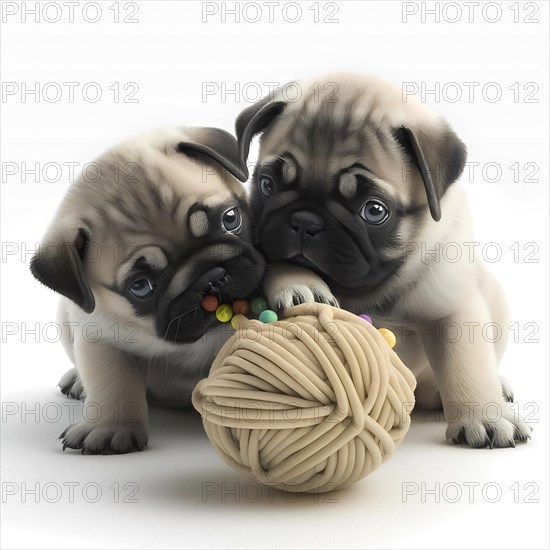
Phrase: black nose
pixel 307 222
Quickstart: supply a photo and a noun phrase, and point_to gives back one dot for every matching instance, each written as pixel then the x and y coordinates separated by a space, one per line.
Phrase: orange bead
pixel 241 307
pixel 210 303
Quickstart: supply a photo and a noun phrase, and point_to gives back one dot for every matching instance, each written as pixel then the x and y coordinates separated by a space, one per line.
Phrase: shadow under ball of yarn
pixel 311 403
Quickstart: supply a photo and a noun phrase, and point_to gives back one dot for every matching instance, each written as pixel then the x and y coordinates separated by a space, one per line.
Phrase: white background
pixel 170 53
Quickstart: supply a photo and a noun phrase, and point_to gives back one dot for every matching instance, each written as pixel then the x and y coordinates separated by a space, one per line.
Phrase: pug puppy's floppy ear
pixel 439 155
pixel 252 121
pixel 216 144
pixel 59 264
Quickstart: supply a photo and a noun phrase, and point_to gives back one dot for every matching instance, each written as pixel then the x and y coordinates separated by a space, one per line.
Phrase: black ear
pixel 58 264
pixel 218 145
pixel 439 156
pixel 252 121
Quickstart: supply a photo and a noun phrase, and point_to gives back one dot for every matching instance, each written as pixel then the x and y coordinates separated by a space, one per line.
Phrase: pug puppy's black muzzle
pixel 185 321
pixel 325 239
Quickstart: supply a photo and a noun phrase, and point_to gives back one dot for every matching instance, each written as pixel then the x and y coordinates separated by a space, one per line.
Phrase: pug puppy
pixel 152 226
pixel 353 200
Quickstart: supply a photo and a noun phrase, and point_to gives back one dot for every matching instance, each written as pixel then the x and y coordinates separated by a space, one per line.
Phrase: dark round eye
pixel 374 212
pixel 267 186
pixel 231 220
pixel 142 288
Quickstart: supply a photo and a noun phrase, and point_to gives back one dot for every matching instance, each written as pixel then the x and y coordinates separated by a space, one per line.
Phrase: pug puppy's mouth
pixel 334 279
pixel 188 321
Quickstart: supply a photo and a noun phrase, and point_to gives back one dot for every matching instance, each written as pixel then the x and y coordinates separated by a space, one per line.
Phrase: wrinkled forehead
pixel 329 139
pixel 144 189
pixel 192 176
pixel 202 235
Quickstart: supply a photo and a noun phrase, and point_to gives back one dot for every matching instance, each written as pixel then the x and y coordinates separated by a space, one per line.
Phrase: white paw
pixel 71 385
pixel 507 391
pixel 102 438
pixel 283 298
pixel 482 432
pixel 287 285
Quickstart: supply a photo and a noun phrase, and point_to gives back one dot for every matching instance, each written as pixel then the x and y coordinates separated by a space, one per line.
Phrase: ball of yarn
pixel 311 403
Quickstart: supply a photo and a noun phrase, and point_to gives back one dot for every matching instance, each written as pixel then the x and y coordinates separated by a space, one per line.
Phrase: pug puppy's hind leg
pixel 115 411
pixel 288 285
pixel 466 373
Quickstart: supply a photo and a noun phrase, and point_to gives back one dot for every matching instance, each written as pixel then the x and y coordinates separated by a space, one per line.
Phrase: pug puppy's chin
pixel 352 193
pixel 133 251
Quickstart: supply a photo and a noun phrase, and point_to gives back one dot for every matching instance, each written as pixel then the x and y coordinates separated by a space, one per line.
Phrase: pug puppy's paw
pixel 300 294
pixel 106 438
pixel 288 285
pixel 480 433
pixel 71 385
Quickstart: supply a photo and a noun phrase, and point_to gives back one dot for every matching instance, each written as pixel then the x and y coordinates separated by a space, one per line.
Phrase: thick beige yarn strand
pixel 311 403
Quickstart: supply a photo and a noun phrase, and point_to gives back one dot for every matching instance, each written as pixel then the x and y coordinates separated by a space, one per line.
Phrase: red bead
pixel 210 303
pixel 241 307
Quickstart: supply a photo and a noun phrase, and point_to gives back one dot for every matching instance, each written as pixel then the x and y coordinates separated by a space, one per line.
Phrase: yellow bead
pixel 224 313
pixel 389 336
pixel 238 321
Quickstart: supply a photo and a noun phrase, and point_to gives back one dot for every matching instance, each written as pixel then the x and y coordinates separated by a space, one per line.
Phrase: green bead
pixel 268 316
pixel 258 305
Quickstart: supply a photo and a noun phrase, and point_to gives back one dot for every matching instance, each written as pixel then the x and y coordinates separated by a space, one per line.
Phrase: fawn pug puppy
pixel 352 187
pixel 133 250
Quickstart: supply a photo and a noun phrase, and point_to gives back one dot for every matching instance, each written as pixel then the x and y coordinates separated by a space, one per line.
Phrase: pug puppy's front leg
pixel 71 385
pixel 465 369
pixel 115 419
pixel 287 285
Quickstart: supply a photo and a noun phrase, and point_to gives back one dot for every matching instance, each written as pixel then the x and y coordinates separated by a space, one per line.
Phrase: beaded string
pixel 237 313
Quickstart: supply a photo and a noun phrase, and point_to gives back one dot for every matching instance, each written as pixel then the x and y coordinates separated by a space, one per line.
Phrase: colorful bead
pixel 210 303
pixel 258 305
pixel 224 313
pixel 268 316
pixel 366 317
pixel 389 336
pixel 238 321
pixel 241 307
